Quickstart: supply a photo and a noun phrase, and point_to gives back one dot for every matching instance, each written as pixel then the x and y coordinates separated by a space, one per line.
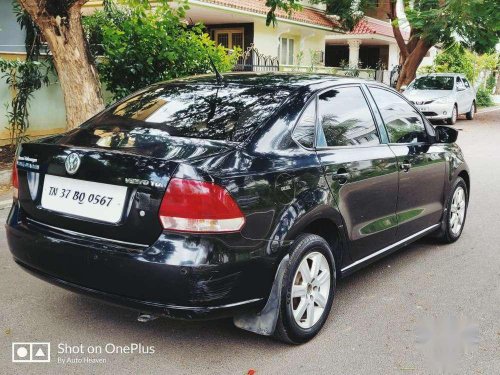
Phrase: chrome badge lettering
pixel 137 181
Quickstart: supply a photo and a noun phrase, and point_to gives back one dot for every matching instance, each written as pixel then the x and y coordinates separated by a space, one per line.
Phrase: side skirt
pixel 387 250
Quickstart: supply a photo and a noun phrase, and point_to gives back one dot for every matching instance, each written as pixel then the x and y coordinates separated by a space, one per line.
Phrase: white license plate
pixel 422 109
pixel 86 199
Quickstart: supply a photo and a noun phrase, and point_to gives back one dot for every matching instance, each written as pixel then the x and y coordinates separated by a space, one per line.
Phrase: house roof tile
pixel 368 26
pixel 306 15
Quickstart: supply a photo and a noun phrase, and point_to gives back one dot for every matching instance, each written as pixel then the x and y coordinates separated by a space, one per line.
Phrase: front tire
pixel 307 290
pixel 470 115
pixel 454 219
pixel 454 115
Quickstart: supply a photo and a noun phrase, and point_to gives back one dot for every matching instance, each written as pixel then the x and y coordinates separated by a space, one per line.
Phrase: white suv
pixel 443 96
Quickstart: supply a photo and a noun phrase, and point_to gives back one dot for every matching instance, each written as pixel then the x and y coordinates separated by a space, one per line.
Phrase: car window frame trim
pixel 299 117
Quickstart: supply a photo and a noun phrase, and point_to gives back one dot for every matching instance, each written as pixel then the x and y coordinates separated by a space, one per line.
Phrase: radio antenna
pixel 218 76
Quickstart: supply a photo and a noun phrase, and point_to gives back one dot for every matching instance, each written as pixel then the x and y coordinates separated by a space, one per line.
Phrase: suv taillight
pixel 15 179
pixel 197 206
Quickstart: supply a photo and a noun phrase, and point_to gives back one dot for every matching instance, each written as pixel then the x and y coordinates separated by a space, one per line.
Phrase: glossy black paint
pixel 282 188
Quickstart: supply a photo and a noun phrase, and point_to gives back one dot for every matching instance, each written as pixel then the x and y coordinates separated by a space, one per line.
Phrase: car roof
pixel 272 79
pixel 444 74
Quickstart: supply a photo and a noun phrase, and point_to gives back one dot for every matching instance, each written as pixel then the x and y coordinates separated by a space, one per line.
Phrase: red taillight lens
pixel 197 206
pixel 15 179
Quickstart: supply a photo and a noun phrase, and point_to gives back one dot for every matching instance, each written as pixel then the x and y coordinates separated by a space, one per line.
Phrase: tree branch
pixel 393 16
pixel 32 7
pixel 412 42
pixel 78 4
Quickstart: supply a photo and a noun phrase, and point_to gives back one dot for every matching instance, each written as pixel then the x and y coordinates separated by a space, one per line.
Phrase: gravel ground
pixel 428 309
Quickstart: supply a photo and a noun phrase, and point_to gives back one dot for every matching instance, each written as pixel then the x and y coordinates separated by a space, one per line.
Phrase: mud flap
pixel 264 322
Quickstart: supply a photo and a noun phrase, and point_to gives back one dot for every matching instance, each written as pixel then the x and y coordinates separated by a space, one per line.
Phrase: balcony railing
pixel 254 61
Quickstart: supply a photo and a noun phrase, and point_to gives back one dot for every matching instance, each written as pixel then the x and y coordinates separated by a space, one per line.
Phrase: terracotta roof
pixel 367 26
pixel 306 15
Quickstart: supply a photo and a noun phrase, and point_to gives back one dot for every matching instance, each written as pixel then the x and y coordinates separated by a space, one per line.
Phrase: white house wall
pixel 306 39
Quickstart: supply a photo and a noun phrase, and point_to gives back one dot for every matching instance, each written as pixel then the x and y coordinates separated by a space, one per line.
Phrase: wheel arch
pixel 465 176
pixel 327 223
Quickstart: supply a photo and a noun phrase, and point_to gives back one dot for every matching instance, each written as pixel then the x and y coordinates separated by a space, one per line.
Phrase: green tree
pixel 457 59
pixel 475 23
pixel 59 21
pixel 141 45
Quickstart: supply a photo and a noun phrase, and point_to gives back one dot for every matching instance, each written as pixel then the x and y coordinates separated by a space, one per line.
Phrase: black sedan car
pixel 246 198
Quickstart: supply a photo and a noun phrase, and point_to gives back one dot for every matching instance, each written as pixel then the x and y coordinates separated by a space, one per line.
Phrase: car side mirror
pixel 445 134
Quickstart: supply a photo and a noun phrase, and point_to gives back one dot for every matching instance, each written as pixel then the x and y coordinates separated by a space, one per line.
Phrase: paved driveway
pixel 427 309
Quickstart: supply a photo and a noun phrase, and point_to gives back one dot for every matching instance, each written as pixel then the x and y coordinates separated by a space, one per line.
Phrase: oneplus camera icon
pixel 31 352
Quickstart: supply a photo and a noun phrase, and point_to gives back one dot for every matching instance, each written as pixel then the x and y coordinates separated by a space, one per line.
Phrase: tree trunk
pixel 411 64
pixel 77 74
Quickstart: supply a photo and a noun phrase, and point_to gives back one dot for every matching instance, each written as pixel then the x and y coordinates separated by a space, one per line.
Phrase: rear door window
pixel 345 118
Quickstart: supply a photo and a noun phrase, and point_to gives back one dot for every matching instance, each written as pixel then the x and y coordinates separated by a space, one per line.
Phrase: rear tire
pixel 306 299
pixel 470 115
pixel 454 219
pixel 454 114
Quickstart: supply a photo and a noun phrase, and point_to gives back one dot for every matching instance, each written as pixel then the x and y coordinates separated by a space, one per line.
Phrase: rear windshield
pixel 209 112
pixel 432 83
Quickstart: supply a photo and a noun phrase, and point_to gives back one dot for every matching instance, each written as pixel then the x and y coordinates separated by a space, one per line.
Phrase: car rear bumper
pixel 171 311
pixel 178 276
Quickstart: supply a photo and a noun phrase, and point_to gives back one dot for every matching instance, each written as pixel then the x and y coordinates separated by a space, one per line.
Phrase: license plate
pixel 85 199
pixel 422 109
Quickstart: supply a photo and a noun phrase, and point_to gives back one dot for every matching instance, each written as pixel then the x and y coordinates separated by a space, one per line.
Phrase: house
pixel 305 40
pixel 297 39
pixel 370 44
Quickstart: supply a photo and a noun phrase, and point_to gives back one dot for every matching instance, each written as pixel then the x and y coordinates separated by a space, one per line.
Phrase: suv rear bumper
pixel 169 278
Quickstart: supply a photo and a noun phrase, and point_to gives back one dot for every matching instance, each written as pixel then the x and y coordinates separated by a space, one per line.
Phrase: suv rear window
pixel 210 112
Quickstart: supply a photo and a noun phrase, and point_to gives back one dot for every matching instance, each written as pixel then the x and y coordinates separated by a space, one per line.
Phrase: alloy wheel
pixel 310 290
pixel 457 215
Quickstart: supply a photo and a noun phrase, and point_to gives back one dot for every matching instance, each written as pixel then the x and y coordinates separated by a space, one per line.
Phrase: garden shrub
pixel 142 45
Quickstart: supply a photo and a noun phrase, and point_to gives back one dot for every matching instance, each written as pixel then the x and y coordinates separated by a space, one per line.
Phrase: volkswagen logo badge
pixel 72 163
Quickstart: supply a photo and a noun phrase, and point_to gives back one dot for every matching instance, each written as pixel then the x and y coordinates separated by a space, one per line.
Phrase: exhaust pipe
pixel 145 317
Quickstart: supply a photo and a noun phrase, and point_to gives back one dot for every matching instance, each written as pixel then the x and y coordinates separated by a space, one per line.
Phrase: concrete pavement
pixel 428 309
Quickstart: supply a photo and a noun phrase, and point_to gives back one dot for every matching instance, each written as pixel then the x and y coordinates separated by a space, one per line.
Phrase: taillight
pixel 15 179
pixel 197 206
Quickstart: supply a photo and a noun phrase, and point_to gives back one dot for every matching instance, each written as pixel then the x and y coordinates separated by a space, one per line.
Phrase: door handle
pixel 405 166
pixel 341 176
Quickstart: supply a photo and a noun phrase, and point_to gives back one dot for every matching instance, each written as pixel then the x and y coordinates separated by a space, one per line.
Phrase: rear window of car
pixel 227 113
pixel 432 83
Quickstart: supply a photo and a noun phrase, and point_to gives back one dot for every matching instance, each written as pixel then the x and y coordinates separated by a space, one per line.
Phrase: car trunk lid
pixel 108 193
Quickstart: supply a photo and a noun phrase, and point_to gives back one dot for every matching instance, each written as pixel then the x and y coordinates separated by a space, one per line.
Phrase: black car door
pixel 421 164
pixel 360 169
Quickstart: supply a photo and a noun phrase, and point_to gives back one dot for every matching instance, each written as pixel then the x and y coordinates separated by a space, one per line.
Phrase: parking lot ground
pixel 428 309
